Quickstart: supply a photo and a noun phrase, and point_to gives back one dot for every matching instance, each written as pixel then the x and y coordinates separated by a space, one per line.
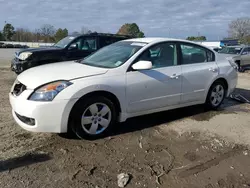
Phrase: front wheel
pixel 239 67
pixel 216 95
pixel 93 117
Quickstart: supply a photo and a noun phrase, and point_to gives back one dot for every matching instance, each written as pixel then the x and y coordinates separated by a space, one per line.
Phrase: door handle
pixel 212 69
pixel 174 76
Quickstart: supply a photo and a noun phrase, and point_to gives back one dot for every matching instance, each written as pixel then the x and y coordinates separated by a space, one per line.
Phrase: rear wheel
pixel 93 117
pixel 216 95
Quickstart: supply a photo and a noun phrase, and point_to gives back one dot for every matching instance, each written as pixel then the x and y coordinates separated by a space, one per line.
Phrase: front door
pixel 81 48
pixel 158 87
pixel 245 57
pixel 198 71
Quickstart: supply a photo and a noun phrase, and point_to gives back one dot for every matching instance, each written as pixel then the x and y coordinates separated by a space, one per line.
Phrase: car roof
pixel 236 46
pixel 103 35
pixel 160 39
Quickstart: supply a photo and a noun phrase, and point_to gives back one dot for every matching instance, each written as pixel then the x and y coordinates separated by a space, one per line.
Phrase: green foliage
pixel 245 40
pixel 197 38
pixel 8 31
pixel 131 30
pixel 140 34
pixel 1 37
pixel 60 34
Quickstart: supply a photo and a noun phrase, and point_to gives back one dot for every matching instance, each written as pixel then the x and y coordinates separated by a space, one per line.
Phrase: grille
pixel 18 89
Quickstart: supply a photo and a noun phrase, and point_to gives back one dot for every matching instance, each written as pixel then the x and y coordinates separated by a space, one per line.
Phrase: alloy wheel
pixel 96 118
pixel 217 95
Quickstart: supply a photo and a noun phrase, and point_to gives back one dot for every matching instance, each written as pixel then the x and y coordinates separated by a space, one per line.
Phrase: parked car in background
pixel 238 54
pixel 216 49
pixel 69 48
pixel 25 46
pixel 18 46
pixel 7 45
pixel 126 79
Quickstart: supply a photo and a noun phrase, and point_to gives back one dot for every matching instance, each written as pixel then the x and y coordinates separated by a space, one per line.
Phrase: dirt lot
pixel 6 55
pixel 184 148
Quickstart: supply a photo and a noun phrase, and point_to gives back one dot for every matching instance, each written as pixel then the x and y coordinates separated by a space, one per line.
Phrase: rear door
pixel 198 70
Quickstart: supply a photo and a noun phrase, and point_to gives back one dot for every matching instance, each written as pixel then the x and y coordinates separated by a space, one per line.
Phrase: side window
pixel 83 43
pixel 246 50
pixel 194 54
pixel 210 56
pixel 104 41
pixel 88 44
pixel 161 55
pixel 76 44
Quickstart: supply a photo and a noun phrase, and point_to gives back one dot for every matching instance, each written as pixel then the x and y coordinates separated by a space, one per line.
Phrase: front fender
pixel 82 87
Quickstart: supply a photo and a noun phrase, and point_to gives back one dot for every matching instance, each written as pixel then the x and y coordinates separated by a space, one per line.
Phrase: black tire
pixel 240 69
pixel 209 103
pixel 78 111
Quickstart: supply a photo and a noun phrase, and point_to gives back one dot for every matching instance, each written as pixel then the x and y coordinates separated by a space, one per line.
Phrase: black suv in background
pixel 69 48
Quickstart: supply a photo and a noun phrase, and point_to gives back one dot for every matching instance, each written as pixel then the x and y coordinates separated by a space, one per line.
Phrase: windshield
pixel 230 50
pixel 64 42
pixel 113 55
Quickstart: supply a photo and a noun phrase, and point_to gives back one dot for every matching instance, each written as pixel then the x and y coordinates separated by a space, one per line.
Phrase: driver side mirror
pixel 73 46
pixel 244 53
pixel 142 65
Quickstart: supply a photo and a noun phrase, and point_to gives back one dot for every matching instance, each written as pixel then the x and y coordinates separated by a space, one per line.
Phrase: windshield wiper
pixel 79 60
pixel 56 46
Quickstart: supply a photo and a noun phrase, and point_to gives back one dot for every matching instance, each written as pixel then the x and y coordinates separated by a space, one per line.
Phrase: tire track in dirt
pixel 210 163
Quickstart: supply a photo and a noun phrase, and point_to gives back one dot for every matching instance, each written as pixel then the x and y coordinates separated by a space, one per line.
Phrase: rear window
pixel 195 54
pixel 230 50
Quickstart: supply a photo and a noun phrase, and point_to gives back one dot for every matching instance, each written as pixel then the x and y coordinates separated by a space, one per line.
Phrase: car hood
pixel 38 50
pixel 37 76
pixel 228 56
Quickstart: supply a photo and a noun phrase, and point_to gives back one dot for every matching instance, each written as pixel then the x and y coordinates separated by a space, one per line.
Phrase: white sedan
pixel 126 79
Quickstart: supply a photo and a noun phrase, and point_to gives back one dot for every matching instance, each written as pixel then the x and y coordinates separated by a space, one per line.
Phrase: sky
pixel 156 18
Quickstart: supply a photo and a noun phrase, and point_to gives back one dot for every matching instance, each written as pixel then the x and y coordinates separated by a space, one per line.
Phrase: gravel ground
pixel 184 148
pixel 6 55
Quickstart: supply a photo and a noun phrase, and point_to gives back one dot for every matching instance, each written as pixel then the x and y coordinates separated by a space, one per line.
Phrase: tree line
pixel 48 33
pixel 196 38
pixel 237 29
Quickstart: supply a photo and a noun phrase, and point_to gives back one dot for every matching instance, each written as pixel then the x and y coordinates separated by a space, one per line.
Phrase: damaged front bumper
pixel 17 66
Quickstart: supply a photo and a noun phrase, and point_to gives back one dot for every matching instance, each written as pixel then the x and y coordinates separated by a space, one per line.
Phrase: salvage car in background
pixel 69 48
pixel 238 54
pixel 126 79
pixel 215 48
pixel 7 45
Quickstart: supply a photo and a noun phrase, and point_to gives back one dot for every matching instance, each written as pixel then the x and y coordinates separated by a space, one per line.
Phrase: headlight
pixel 24 55
pixel 49 91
